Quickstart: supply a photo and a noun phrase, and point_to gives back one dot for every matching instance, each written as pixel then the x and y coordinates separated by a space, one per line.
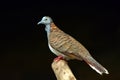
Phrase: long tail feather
pixel 96 66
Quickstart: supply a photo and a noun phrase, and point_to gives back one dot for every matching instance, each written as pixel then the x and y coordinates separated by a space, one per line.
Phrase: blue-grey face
pixel 45 20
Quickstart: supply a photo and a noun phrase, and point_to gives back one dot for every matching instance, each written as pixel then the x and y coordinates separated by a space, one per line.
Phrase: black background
pixel 24 51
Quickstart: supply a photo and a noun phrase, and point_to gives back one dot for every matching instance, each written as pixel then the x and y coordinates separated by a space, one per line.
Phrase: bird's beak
pixel 40 22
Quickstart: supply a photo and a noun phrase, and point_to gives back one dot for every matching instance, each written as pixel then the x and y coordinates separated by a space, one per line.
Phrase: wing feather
pixel 66 44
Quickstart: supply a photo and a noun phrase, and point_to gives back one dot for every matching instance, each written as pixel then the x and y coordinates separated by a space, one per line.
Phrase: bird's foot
pixel 58 58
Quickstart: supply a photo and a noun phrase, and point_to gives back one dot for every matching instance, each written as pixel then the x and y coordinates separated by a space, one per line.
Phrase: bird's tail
pixel 95 65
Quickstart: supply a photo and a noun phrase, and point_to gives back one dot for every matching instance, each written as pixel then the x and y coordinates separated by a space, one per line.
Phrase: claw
pixel 58 58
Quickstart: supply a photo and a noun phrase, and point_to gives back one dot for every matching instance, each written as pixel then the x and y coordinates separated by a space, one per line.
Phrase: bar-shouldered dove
pixel 65 46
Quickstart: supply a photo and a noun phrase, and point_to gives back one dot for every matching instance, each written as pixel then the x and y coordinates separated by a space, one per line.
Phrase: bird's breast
pixel 55 51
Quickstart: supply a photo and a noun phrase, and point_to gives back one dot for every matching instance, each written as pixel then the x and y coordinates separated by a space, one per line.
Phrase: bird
pixel 66 47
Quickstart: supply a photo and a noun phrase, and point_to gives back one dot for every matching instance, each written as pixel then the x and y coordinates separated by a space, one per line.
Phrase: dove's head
pixel 45 20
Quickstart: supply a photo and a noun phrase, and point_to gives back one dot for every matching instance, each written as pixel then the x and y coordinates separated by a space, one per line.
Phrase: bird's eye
pixel 45 19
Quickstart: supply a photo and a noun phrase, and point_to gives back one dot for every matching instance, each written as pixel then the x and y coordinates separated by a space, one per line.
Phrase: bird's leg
pixel 58 58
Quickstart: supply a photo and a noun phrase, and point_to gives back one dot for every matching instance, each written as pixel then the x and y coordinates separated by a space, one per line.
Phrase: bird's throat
pixel 47 28
pixel 50 27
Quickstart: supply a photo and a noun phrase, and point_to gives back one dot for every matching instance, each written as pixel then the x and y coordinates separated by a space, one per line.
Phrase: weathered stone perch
pixel 62 70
